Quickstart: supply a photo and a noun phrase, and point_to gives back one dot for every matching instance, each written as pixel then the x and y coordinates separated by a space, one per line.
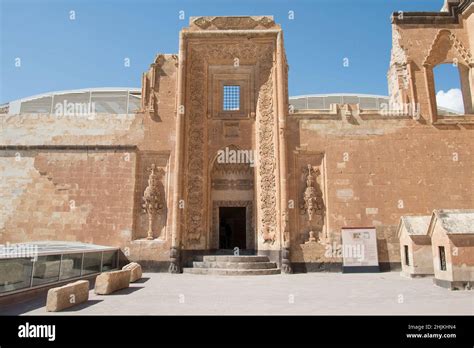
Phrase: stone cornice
pixel 232 23
pixel 70 147
pixel 454 10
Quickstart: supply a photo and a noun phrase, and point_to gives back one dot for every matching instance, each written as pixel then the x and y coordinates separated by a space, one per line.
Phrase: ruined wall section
pixel 397 77
pixel 70 195
pixel 423 40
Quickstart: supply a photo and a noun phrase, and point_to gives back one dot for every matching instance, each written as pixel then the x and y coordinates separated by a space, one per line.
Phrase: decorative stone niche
pixel 310 184
pixel 225 75
pixel 152 196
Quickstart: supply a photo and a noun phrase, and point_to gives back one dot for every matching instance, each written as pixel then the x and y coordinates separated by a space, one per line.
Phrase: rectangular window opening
pixel 442 258
pixel 231 98
pixel 407 257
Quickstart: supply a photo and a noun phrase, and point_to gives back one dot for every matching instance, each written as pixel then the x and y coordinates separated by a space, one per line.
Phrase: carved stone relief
pixel 310 185
pixel 266 156
pixel 312 204
pixel 219 23
pixel 232 184
pixel 231 129
pixel 152 198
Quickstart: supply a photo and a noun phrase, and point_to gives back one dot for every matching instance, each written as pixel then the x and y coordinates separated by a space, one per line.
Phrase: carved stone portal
pixel 200 57
pixel 152 200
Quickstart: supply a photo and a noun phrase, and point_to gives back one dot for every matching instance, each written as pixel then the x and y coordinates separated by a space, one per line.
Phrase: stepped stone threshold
pixel 234 265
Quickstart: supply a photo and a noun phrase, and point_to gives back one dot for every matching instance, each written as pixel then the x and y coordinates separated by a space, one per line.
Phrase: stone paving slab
pixel 309 294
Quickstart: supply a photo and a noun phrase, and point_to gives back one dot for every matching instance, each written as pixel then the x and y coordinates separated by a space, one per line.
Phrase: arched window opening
pixel 448 90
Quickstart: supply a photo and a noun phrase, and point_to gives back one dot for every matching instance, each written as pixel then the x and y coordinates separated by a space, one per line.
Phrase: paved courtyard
pixel 310 294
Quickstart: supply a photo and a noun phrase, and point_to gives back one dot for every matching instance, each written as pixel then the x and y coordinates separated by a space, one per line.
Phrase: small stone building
pixel 415 246
pixel 452 241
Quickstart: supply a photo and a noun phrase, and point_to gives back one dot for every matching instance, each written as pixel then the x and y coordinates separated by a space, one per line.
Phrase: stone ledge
pixel 450 120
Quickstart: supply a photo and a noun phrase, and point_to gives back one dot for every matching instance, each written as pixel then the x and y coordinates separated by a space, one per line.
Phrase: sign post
pixel 359 250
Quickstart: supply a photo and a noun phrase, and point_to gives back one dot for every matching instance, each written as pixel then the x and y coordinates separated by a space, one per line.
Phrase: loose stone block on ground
pixel 67 296
pixel 107 283
pixel 135 271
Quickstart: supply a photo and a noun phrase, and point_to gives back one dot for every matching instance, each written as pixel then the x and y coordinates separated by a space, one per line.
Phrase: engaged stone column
pixel 175 266
pixel 282 113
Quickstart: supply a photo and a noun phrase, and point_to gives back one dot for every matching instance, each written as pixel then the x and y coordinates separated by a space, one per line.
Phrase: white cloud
pixel 451 99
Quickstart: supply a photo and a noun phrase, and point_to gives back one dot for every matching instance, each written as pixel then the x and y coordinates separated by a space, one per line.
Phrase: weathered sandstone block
pixel 109 282
pixel 135 271
pixel 67 296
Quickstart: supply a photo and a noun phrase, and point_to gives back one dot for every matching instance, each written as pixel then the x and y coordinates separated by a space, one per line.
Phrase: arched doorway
pixel 232 199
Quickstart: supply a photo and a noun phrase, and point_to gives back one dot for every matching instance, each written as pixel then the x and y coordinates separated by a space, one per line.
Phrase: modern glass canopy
pixel 123 100
pixel 35 264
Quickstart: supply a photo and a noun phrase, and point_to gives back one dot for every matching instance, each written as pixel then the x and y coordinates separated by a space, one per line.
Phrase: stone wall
pixel 82 177
pixel 67 194
pixel 379 168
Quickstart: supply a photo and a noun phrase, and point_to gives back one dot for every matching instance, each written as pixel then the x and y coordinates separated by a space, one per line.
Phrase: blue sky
pixel 58 53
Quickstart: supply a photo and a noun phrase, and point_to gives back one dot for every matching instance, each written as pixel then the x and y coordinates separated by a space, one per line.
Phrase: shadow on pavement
pixel 125 291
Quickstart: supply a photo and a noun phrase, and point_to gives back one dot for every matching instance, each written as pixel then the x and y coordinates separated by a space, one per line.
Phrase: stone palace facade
pixel 216 158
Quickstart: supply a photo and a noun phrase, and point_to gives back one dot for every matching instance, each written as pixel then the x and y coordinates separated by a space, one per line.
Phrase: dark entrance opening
pixel 232 228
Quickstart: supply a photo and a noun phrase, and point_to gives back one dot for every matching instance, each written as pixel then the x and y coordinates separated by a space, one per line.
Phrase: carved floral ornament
pixel 230 23
pixel 202 55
